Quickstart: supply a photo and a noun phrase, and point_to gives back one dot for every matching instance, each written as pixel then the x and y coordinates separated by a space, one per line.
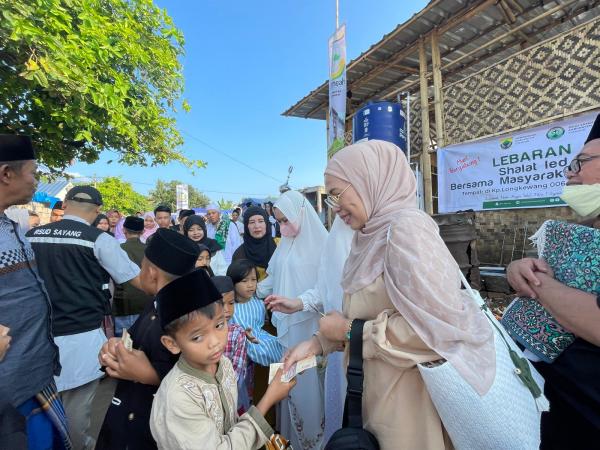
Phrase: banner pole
pixel 337 14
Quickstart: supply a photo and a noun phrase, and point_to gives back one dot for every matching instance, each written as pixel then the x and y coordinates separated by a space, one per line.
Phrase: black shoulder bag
pixel 352 435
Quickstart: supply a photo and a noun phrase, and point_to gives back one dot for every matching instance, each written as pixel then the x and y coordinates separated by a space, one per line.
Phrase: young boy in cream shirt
pixel 195 406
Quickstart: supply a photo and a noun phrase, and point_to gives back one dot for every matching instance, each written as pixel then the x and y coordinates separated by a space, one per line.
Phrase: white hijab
pixel 295 263
pixel 333 258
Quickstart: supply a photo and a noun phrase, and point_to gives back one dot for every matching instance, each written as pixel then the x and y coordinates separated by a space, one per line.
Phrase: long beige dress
pixel 397 408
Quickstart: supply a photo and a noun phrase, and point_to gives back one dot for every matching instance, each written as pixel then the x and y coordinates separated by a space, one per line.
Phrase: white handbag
pixel 508 416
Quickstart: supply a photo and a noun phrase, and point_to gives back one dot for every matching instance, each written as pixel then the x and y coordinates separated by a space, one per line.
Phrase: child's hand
pixel 277 391
pixel 4 341
pixel 108 351
pixel 131 365
pixel 250 336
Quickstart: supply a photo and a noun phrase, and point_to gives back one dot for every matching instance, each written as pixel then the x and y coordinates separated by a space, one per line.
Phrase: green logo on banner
pixel 506 143
pixel 555 133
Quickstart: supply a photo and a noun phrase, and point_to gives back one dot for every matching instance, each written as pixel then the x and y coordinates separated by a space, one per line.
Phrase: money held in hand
pixel 126 339
pixel 295 369
pixel 273 368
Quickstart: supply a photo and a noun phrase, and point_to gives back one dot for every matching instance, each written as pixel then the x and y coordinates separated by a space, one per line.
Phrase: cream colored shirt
pixel 194 410
pixel 397 408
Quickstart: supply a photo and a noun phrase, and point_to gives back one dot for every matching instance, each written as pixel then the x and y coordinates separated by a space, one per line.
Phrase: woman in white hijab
pixel 293 270
pixel 326 296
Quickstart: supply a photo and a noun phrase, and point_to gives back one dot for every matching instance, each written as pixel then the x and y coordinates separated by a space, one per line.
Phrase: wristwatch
pixel 349 330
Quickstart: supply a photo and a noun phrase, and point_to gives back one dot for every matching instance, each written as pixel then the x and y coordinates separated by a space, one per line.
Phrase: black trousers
pixel 564 428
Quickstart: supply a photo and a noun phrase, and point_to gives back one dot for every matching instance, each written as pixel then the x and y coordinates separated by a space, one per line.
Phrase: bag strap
pixel 483 306
pixel 355 377
pixel 522 369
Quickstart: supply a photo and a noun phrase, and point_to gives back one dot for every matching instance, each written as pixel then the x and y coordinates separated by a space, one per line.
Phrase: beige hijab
pixel 421 276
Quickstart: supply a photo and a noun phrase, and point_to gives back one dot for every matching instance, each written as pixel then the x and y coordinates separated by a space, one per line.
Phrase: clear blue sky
pixel 245 63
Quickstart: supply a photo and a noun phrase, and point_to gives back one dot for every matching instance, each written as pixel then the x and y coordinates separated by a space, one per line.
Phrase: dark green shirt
pixel 129 300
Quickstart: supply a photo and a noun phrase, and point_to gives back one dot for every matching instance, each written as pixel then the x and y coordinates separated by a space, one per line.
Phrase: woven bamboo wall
pixel 416 137
pixel 555 78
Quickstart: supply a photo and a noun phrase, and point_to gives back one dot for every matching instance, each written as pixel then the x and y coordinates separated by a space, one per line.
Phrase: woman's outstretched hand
pixel 278 303
pixel 301 351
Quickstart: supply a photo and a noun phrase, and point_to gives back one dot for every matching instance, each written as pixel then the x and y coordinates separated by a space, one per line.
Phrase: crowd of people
pixel 188 315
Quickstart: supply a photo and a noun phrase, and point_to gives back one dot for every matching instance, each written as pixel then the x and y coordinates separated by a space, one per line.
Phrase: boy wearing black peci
pixel 168 256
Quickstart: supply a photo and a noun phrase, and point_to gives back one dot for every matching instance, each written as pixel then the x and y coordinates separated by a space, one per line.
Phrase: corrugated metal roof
pixel 53 189
pixel 393 62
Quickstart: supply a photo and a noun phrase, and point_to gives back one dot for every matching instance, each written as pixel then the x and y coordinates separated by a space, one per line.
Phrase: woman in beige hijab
pixel 402 280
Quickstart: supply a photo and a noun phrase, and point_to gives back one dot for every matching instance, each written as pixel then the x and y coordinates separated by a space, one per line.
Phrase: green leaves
pixel 83 135
pixel 120 194
pixel 226 204
pixel 83 76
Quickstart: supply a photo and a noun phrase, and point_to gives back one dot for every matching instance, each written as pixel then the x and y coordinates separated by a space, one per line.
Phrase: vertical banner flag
pixel 181 191
pixel 524 169
pixel 337 91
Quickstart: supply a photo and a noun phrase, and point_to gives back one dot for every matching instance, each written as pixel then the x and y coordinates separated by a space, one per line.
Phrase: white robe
pixel 218 264
pixel 292 270
pixel 234 240
pixel 327 295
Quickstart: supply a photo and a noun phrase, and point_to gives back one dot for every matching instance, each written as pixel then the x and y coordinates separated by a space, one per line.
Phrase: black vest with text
pixel 75 280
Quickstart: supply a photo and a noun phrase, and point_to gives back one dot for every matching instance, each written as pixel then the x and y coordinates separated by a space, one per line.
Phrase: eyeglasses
pixel 333 201
pixel 576 163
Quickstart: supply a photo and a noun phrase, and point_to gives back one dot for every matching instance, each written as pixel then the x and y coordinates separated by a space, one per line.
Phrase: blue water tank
pixel 381 120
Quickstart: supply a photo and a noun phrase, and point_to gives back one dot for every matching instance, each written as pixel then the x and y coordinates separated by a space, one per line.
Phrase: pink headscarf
pixel 421 276
pixel 148 231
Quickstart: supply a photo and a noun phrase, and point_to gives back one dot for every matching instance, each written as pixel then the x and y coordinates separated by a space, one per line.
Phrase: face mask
pixel 289 229
pixel 584 199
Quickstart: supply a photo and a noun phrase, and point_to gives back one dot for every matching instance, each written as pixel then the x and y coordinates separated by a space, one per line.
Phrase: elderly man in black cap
pixel 129 301
pixel 168 256
pixel 573 379
pixel 27 370
pixel 77 261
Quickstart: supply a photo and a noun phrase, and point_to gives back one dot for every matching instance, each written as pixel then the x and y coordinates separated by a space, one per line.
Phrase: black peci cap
pixel 172 252
pixel 184 295
pixel 224 284
pixel 14 147
pixel 133 223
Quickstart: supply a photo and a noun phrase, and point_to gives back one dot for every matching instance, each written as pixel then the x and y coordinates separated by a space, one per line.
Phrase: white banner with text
pixel 524 169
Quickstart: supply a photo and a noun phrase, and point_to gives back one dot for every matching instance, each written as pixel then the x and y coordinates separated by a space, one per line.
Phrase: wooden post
pixel 438 95
pixel 425 156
